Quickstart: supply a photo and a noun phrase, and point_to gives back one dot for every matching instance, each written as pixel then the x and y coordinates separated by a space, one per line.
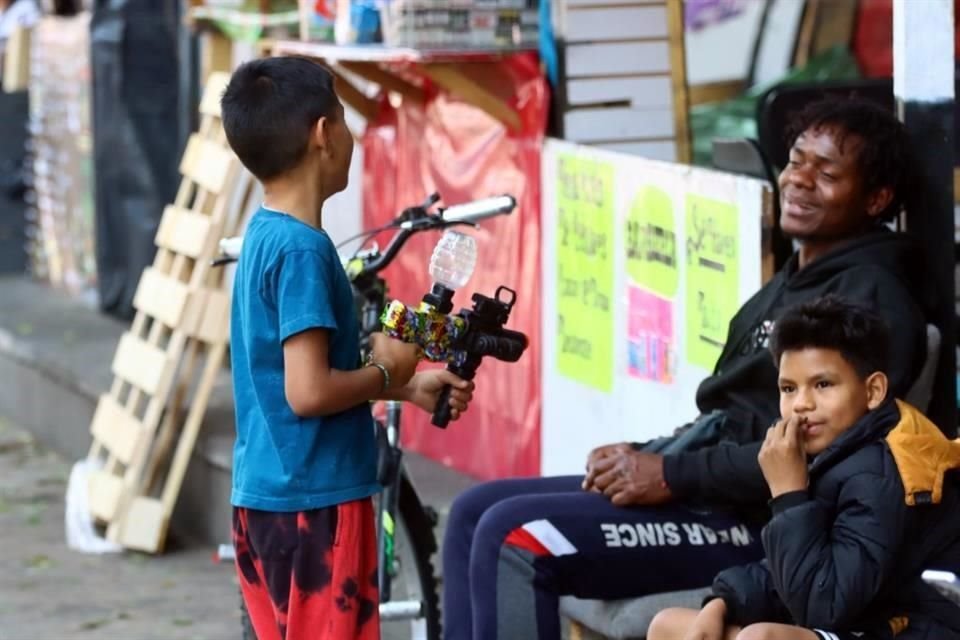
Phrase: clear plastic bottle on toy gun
pixel 430 324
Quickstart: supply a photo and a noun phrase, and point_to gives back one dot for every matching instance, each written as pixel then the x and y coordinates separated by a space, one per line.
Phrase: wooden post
pixel 217 54
pixel 678 80
pixel 16 68
pixel 923 83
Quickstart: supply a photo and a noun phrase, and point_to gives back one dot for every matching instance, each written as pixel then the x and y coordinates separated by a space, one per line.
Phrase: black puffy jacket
pixel 847 555
pixel 882 270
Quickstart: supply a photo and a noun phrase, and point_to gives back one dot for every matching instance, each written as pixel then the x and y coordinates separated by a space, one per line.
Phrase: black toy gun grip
pixel 442 412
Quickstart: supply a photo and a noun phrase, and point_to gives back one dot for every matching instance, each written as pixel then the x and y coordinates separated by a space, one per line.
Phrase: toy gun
pixel 463 339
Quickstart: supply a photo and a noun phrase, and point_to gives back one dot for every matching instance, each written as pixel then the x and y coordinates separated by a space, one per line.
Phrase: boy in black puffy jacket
pixel 864 500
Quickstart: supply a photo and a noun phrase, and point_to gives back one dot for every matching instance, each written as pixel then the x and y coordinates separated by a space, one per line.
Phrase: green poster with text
pixel 713 282
pixel 651 242
pixel 585 271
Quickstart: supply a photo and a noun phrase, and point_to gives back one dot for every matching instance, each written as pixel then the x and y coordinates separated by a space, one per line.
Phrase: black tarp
pixel 13 138
pixel 137 146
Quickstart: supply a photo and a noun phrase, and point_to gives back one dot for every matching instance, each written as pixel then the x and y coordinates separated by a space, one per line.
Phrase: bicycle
pixel 405 526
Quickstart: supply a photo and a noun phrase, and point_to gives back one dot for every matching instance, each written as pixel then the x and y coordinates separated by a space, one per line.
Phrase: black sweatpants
pixel 512 547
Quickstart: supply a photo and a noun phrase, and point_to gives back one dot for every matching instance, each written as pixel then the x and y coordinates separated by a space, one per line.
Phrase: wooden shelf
pixel 464 73
pixel 382 53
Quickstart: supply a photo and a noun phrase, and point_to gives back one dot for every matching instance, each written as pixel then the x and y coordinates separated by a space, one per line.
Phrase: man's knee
pixel 496 522
pixel 499 536
pixel 469 507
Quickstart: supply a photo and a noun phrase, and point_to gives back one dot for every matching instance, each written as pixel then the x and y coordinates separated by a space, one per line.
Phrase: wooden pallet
pixel 180 310
pixel 145 522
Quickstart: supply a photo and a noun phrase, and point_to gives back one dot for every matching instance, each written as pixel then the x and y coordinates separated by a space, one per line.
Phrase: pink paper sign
pixel 649 336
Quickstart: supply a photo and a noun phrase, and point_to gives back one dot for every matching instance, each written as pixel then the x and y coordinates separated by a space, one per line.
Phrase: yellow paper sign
pixel 712 279
pixel 585 271
pixel 651 242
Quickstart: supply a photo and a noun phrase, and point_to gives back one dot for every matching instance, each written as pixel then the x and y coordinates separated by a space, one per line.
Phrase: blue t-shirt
pixel 289 279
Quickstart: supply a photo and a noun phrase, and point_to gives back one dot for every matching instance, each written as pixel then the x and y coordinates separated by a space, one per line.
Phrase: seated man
pixel 659 520
pixel 842 558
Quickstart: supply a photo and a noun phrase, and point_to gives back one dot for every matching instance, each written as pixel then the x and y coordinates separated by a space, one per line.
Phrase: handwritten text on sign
pixel 712 278
pixel 651 242
pixel 585 271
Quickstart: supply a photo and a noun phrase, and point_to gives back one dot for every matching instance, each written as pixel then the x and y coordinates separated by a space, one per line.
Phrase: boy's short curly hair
pixel 831 322
pixel 269 109
pixel 884 155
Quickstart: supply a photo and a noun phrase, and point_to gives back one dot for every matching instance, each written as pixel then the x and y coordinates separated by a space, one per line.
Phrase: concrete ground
pixel 48 591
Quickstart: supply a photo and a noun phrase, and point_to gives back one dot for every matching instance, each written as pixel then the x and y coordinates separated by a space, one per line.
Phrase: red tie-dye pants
pixel 309 574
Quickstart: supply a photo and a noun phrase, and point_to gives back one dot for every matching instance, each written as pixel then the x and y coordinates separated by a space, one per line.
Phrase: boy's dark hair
pixel 269 108
pixel 831 322
pixel 884 157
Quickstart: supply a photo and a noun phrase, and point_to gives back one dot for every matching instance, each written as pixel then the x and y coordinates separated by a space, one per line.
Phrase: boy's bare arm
pixel 425 387
pixel 313 388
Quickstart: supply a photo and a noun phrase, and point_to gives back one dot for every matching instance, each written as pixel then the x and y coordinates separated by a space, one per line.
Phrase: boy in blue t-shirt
pixel 304 463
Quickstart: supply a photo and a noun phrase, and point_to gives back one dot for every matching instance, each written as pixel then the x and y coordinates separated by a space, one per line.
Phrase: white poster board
pixel 644 264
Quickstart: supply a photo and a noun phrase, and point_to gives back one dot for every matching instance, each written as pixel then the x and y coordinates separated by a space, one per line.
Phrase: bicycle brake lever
pixel 429 221
pixel 419 212
pixel 431 200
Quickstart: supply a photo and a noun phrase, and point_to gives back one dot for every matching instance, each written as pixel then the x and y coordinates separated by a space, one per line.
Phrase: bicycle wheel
pixel 414 580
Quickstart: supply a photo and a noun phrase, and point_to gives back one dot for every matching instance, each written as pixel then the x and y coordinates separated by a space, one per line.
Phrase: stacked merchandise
pixel 469 24
pixel 61 232
pixel 461 24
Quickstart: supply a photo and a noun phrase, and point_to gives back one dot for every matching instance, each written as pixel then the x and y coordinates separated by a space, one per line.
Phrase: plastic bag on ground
pixel 81 535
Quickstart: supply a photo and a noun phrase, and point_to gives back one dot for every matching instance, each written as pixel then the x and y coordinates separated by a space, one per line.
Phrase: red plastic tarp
pixel 873 37
pixel 454 148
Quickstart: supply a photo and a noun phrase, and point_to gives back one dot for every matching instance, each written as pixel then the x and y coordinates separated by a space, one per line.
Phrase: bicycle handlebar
pixel 230 247
pixel 416 219
pixel 411 220
pixel 473 212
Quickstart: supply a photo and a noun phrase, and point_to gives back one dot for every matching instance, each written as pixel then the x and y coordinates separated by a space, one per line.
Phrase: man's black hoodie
pixel 882 270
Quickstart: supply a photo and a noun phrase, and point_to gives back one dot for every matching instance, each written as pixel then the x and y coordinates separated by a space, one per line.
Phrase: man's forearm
pixel 729 473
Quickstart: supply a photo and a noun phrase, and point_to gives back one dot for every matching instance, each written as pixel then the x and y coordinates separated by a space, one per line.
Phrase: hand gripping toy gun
pixel 463 339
